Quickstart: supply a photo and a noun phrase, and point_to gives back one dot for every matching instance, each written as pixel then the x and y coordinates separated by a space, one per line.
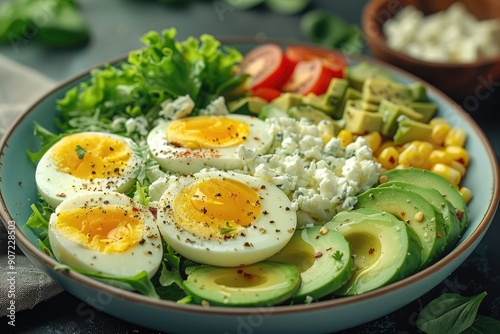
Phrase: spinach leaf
pixel 483 325
pixel 449 313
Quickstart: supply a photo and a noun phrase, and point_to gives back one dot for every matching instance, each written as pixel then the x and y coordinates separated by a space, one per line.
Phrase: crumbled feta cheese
pixel 320 179
pixel 216 107
pixel 178 108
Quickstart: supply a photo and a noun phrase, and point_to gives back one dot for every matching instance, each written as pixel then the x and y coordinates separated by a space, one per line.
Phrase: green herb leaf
pixel 47 139
pixel 338 255
pixel 483 325
pixel 449 313
pixel 139 282
pixel 171 274
pixel 80 151
pixel 227 230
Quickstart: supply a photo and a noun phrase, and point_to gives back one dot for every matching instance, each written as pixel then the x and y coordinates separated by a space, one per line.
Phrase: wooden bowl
pixel 464 82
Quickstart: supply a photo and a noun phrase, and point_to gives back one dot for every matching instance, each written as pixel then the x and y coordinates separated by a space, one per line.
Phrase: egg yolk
pixel 207 132
pixel 216 207
pixel 106 229
pixel 90 156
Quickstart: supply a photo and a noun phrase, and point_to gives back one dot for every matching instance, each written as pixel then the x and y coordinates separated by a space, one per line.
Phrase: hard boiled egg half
pixel 225 219
pixel 105 232
pixel 87 161
pixel 189 144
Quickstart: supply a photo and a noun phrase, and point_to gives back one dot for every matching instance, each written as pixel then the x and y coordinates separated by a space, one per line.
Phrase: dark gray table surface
pixel 117 26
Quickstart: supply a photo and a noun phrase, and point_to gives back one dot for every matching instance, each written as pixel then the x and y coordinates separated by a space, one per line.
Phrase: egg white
pixel 265 236
pixel 174 158
pixel 145 256
pixel 55 185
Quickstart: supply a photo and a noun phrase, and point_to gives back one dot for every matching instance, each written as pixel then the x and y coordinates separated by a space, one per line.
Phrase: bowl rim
pixel 372 30
pixel 140 299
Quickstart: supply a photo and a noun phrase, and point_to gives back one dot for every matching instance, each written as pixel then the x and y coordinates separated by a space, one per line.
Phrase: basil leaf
pixel 449 313
pixel 483 325
pixel 80 151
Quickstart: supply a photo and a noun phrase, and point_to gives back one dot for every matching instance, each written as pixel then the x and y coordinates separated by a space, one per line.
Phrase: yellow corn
pixel 385 143
pixel 458 166
pixel 452 175
pixel 424 147
pixel 439 133
pixel 459 154
pixel 438 156
pixel 437 120
pixel 389 157
pixel 374 139
pixel 346 137
pixel 455 137
pixel 411 156
pixel 466 194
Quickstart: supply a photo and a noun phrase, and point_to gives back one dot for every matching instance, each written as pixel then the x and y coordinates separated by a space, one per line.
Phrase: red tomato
pixel 309 76
pixel 267 93
pixel 334 61
pixel 267 66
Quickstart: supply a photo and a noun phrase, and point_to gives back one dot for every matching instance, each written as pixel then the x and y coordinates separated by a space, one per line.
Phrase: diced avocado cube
pixel 350 94
pixel 334 95
pixel 309 112
pixel 391 112
pixel 361 104
pixel 271 110
pixel 426 109
pixel 357 74
pixel 409 130
pixel 418 92
pixel 248 105
pixel 361 121
pixel 287 100
pixel 317 102
pixel 376 89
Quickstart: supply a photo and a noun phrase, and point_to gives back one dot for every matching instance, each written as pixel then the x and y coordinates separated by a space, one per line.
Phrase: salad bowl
pixel 18 191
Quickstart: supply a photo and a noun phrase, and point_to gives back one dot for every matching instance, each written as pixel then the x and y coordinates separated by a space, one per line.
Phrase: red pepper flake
pixel 263 186
pixel 439 235
pixel 371 251
pixel 460 214
pixel 403 213
pixel 317 255
pixel 256 138
pixel 234 195
pixel 392 160
pixel 135 209
pixel 61 195
pixel 154 211
pixel 240 271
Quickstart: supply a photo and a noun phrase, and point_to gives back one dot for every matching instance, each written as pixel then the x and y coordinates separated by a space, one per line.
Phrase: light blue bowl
pixel 18 191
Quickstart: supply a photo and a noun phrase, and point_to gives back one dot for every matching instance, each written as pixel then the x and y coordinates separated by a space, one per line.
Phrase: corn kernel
pixel 385 144
pixel 389 157
pixel 466 194
pixel 438 156
pixel 425 147
pixel 374 139
pixel 346 137
pixel 439 133
pixel 459 167
pixel 452 175
pixel 438 120
pixel 459 154
pixel 411 156
pixel 455 137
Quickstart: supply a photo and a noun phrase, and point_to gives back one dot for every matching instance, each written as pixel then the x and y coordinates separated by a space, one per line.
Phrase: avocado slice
pixel 416 212
pixel 324 260
pixel 426 178
pixel 441 204
pixel 271 110
pixel 260 284
pixel 409 130
pixel 385 249
pixel 317 102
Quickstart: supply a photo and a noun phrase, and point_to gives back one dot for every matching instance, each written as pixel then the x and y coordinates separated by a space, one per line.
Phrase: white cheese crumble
pixel 320 179
pixel 451 35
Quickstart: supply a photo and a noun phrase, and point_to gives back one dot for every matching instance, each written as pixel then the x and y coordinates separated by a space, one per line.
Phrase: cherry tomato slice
pixel 309 76
pixel 334 61
pixel 267 93
pixel 267 66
